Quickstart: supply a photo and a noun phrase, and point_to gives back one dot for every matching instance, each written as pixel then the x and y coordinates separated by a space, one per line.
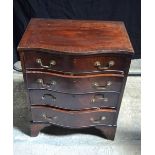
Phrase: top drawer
pixel 73 64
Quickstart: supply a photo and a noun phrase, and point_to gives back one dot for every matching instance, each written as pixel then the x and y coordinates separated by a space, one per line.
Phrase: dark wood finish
pixel 76 36
pixel 72 101
pixel 75 64
pixel 122 92
pixel 72 84
pixel 73 119
pixel 108 131
pixel 68 56
pixel 36 127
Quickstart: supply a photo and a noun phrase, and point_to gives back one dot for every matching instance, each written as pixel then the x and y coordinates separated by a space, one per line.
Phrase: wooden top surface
pixel 76 36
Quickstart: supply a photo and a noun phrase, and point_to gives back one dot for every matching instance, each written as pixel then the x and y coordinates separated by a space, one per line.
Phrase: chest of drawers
pixel 75 73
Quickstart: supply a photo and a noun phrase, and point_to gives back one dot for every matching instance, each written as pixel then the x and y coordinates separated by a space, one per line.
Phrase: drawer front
pixel 71 101
pixel 75 64
pixel 73 119
pixel 80 84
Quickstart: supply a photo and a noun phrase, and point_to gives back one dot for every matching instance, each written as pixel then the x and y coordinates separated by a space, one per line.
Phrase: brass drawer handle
pixel 100 67
pixel 101 87
pixel 40 81
pixel 53 118
pixel 52 63
pixel 49 95
pixel 96 98
pixel 102 118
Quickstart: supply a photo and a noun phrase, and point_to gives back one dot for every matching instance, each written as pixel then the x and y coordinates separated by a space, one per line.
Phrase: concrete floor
pixel 62 141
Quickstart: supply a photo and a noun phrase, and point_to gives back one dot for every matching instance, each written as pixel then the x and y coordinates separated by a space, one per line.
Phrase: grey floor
pixel 61 141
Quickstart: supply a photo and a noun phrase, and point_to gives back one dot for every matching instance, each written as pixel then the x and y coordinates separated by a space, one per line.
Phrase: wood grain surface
pixel 76 36
pixel 72 101
pixel 62 59
pixel 73 119
pixel 70 64
pixel 74 85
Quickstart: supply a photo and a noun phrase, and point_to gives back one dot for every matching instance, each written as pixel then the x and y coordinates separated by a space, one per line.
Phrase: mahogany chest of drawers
pixel 75 73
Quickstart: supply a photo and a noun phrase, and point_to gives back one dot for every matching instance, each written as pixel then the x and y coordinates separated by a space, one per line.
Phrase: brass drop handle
pixel 101 87
pixel 53 118
pixel 107 66
pixel 98 98
pixel 49 95
pixel 52 63
pixel 40 81
pixel 102 118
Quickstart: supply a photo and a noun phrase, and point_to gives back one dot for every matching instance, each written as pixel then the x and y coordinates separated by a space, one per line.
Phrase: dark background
pixel 128 11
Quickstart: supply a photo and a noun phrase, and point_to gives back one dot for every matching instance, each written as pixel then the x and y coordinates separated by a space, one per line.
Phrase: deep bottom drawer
pixel 73 119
